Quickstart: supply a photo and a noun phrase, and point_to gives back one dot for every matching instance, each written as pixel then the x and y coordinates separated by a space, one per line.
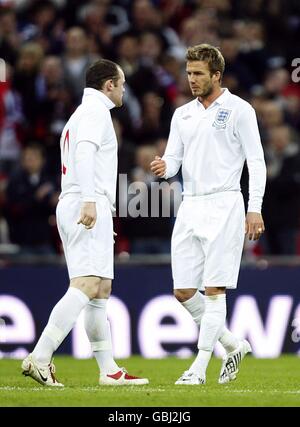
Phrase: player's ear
pixel 109 84
pixel 217 76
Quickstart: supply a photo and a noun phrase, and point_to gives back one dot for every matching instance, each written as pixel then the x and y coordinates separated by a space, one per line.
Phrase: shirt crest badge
pixel 221 118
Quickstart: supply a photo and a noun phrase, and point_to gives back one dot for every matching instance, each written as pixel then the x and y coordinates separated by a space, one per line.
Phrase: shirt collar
pixel 89 91
pixel 219 100
pixel 222 97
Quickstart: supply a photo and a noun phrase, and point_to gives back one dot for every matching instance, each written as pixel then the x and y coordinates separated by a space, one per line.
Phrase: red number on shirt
pixel 65 153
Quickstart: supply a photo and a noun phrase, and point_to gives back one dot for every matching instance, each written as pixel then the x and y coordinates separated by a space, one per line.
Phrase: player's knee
pixel 88 285
pixel 211 291
pixel 183 295
pixel 93 288
pixel 104 289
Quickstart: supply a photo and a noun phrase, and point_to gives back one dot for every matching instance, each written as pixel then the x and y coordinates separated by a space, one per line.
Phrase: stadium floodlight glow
pixel 20 328
pixel 246 322
pixel 119 320
pixel 152 333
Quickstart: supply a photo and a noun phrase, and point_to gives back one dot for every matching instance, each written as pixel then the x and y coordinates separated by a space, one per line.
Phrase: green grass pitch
pixel 261 382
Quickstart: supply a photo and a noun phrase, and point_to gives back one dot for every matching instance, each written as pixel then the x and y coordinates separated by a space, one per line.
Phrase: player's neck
pixel 206 101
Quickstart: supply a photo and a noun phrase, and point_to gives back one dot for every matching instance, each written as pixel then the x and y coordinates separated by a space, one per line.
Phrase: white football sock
pixel 229 341
pixel 196 307
pixel 98 331
pixel 61 321
pixel 200 364
pixel 212 323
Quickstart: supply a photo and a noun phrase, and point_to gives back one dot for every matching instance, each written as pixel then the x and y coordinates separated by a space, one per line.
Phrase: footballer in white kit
pixel 84 218
pixel 88 253
pixel 211 137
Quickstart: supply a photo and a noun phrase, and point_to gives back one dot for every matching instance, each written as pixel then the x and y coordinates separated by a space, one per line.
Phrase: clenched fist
pixel 158 167
pixel 88 215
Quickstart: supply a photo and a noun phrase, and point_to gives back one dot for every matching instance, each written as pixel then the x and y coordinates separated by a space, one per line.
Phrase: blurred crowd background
pixel 47 46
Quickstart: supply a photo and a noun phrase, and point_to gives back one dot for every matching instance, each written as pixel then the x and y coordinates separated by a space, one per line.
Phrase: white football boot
pixel 43 374
pixel 121 378
pixel 190 378
pixel 232 361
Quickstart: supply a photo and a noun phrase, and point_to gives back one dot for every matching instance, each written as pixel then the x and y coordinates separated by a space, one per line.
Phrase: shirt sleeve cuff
pixel 90 199
pixel 165 176
pixel 254 207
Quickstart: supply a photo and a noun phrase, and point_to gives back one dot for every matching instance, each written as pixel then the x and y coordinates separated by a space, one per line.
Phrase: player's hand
pixel 158 167
pixel 88 215
pixel 254 226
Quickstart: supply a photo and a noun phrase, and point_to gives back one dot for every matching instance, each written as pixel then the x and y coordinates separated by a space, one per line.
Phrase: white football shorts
pixel 87 252
pixel 207 241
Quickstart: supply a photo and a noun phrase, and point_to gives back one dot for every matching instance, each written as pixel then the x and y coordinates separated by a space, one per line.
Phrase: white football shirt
pixel 91 122
pixel 212 145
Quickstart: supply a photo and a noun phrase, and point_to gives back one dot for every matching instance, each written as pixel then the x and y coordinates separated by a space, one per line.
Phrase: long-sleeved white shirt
pixel 89 149
pixel 212 145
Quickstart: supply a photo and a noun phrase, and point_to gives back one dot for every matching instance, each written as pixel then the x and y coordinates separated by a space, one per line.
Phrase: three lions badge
pixel 221 118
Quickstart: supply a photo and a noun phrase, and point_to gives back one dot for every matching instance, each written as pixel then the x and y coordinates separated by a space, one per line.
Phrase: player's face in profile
pixel 200 79
pixel 118 91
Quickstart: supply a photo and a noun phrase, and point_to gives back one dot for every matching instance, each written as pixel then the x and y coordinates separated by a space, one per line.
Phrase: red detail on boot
pixel 116 376
pixel 130 377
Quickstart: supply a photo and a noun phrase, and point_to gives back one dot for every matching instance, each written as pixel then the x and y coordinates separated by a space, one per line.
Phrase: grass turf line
pixel 261 382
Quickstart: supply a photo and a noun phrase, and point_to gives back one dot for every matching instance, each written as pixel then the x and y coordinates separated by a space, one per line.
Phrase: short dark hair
pixel 101 71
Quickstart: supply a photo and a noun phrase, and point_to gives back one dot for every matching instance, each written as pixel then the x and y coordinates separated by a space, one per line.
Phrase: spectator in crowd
pixel 235 67
pixel 10 40
pixel 156 113
pixel 103 21
pixel 282 197
pixel 148 229
pixel 139 74
pixel 199 27
pixel 31 198
pixel 291 104
pixel 126 150
pixel 174 12
pixel 10 121
pixel 55 106
pixel 4 234
pixel 76 61
pixel 47 46
pixel 275 83
pixel 253 49
pixel 46 27
pixel 270 114
pixel 25 81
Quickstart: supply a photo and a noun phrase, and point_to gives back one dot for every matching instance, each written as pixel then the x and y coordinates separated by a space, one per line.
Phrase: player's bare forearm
pixel 158 167
pixel 254 226
pixel 88 215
